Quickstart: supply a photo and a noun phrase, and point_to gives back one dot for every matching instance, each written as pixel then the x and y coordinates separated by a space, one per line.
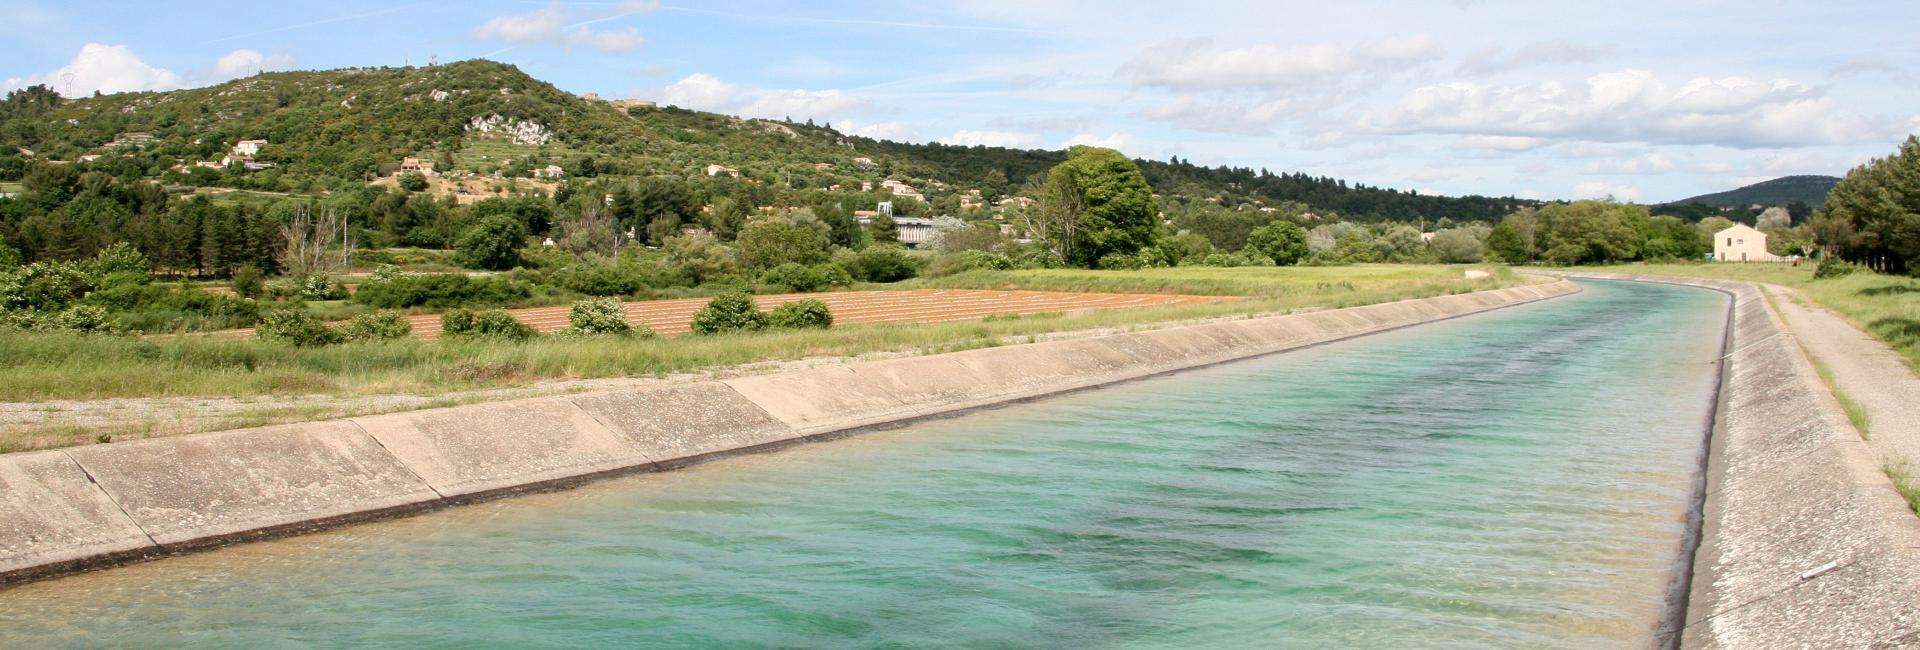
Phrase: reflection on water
pixel 1518 479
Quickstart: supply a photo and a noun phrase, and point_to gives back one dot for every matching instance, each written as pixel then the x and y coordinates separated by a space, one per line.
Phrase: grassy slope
pixel 55 366
pixel 1884 305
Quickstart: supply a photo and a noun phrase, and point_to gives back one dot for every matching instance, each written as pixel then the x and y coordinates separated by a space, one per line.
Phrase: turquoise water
pixel 1518 478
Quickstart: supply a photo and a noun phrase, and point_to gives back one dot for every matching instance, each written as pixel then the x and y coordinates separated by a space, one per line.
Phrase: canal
pixel 1517 478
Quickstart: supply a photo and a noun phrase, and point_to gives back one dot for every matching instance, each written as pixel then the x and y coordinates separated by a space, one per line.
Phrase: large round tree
pixel 1096 204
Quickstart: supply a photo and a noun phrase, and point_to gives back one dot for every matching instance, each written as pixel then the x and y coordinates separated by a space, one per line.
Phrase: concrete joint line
pixel 1763 339
pixel 397 460
pixel 1803 581
pixel 604 424
pixel 109 495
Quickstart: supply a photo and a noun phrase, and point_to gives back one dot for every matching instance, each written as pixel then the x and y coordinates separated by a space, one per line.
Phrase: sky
pixel 1639 101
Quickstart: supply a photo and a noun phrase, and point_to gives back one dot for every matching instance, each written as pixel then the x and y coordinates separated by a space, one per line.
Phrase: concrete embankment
pixel 70 509
pixel 1804 541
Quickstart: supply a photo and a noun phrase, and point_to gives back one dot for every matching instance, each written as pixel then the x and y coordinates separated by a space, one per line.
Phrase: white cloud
pixel 1122 142
pixel 1226 114
pixel 103 68
pixel 705 92
pixel 553 26
pixel 1500 143
pixel 1652 163
pixel 1198 64
pixel 1495 60
pixel 245 63
pixel 1635 106
pixel 1604 190
pixel 1008 139
pixel 894 131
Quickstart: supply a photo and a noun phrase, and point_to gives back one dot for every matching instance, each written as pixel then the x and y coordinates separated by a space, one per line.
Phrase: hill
pixel 1811 190
pixel 335 130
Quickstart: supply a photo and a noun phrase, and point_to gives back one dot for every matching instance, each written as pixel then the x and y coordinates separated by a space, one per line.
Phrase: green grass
pixel 1905 482
pixel 12 187
pixel 1317 282
pixel 1886 306
pixel 40 366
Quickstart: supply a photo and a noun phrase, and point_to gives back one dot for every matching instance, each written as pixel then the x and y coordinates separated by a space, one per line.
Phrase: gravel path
pixel 1865 369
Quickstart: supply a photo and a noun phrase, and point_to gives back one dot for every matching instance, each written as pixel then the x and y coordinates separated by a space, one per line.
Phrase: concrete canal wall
pixel 69 509
pixel 1804 541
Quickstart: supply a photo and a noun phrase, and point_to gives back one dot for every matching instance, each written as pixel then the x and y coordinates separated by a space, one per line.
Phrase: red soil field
pixel 672 317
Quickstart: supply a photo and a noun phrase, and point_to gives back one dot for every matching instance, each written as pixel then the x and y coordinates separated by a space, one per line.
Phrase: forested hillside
pixel 1811 190
pixel 334 130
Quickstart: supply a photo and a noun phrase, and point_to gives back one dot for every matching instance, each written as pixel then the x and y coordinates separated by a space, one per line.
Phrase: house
pixel 550 171
pixel 866 163
pixel 89 157
pixel 1016 201
pixel 247 148
pixel 716 170
pixel 822 166
pixel 422 166
pixel 901 189
pixel 913 231
pixel 1742 243
pixel 1427 236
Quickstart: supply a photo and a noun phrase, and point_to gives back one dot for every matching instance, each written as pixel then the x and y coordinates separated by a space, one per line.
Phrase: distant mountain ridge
pixel 1809 189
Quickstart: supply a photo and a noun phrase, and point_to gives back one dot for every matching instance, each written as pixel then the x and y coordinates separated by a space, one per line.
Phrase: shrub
pixel 376 326
pixel 493 243
pixel 882 264
pixel 1836 268
pixel 794 277
pixel 970 260
pixel 411 181
pixel 771 241
pixel 319 287
pixel 491 323
pixel 1283 242
pixel 440 290
pixel 51 286
pixel 729 312
pixel 801 314
pixel 382 273
pixel 296 327
pixel 599 316
pixel 121 257
pixel 247 281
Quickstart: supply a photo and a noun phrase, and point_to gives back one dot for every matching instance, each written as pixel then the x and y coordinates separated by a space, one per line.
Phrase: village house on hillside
pixel 549 172
pixel 1742 243
pixel 247 148
pixel 716 170
pixel 901 189
pixel 422 166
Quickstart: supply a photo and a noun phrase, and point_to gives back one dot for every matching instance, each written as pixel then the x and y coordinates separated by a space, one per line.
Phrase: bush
pixel 411 181
pixel 732 311
pixel 247 281
pixel 376 326
pixel 801 314
pixel 385 273
pixel 121 257
pixel 493 243
pixel 882 264
pixel 1283 242
pixel 970 260
pixel 491 323
pixel 441 290
pixel 802 279
pixel 319 287
pixel 296 327
pixel 1836 268
pixel 602 316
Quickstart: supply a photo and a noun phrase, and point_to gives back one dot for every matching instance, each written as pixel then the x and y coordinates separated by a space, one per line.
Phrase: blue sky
pixel 1641 101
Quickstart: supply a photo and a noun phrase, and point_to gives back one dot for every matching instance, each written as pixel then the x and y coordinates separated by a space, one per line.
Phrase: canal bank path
pixel 1864 370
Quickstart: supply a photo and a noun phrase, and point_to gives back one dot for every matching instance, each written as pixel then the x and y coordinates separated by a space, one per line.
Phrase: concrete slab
pixel 467 450
pixel 207 487
pixel 51 513
pixel 677 422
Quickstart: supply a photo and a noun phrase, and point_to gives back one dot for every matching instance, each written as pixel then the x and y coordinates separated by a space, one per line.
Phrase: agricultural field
pixel 51 383
pixel 673 317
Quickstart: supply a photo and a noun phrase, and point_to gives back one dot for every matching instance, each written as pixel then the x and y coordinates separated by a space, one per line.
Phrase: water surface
pixel 1518 478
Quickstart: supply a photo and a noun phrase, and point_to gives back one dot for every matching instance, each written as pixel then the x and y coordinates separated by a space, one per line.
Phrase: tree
pixel 1459 246
pixel 1505 245
pixel 883 230
pixel 493 243
pixel 1873 215
pixel 411 181
pixel 1284 242
pixel 314 245
pixel 1096 204
pixel 1584 232
pixel 797 237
